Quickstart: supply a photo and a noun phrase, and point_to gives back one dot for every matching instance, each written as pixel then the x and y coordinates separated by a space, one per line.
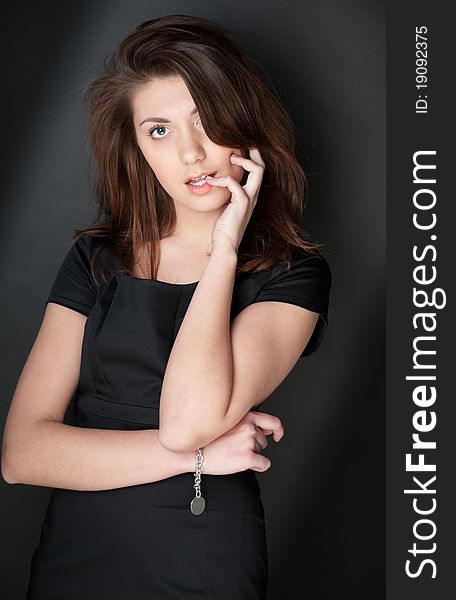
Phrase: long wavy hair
pixel 239 107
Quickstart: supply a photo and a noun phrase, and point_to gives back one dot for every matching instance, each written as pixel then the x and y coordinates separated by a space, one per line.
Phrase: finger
pixel 262 463
pixel 255 177
pixel 267 431
pixel 268 422
pixel 247 163
pixel 256 156
pixel 253 183
pixel 257 447
pixel 261 440
pixel 229 182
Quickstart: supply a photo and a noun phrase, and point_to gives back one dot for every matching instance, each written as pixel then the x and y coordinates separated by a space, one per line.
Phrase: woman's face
pixel 172 139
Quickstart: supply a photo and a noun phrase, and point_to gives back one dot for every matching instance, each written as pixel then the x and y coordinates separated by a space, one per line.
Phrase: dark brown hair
pixel 239 107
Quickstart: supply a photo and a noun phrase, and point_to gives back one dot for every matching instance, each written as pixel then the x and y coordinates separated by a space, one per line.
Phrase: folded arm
pixel 39 449
pixel 217 370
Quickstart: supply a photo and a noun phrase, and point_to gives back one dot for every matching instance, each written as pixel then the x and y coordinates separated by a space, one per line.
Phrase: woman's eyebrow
pixel 162 120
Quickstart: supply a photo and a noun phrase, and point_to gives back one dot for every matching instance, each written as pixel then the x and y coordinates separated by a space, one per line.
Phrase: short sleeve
pixel 306 283
pixel 73 285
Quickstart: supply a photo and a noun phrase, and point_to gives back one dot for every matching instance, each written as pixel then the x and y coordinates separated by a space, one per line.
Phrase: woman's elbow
pixel 7 478
pixel 14 455
pixel 7 473
pixel 177 440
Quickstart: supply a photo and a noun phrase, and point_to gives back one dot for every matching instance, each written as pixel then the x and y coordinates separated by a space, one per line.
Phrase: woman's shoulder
pixel 74 285
pixel 304 271
pixel 302 264
pixel 301 255
pixel 304 281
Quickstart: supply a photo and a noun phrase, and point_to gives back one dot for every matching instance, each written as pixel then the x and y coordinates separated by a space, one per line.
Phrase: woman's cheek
pixel 160 178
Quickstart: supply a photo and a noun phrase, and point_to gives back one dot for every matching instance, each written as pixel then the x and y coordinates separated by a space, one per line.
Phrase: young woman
pixel 172 318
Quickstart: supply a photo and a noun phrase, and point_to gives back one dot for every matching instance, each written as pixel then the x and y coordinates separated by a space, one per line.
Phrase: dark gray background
pixel 324 494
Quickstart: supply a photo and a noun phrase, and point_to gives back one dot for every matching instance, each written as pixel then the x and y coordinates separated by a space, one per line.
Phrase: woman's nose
pixel 192 149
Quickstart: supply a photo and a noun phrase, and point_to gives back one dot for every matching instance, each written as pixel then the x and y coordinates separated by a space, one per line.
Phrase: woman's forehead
pixel 162 99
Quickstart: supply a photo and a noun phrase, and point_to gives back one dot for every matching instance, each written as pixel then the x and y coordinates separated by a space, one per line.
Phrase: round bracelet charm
pixel 197 505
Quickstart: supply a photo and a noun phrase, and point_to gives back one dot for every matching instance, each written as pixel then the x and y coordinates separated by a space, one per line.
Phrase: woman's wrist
pixel 188 461
pixel 225 251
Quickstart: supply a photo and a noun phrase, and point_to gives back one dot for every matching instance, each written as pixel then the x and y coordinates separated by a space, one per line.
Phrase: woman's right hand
pixel 240 447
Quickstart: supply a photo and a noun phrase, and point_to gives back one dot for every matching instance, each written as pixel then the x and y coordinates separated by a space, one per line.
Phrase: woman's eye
pixel 151 131
pixel 160 127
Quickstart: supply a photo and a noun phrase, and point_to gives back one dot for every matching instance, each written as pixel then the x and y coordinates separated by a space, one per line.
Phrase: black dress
pixel 142 542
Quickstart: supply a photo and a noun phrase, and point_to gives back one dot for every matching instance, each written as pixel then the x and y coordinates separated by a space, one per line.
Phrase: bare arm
pixel 39 449
pixel 57 455
pixel 198 379
pixel 217 370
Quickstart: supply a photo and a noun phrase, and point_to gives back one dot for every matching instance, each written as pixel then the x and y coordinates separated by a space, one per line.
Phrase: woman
pixel 171 319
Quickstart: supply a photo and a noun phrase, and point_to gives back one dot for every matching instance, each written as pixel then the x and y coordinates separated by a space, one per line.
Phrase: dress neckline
pixel 145 279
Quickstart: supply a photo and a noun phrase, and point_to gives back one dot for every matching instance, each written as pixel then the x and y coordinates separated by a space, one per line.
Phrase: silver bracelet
pixel 198 504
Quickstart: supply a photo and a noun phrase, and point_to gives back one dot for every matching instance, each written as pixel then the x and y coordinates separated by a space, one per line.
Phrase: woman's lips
pixel 201 177
pixel 199 189
pixel 202 188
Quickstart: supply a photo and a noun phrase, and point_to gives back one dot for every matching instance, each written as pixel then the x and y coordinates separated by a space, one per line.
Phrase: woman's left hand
pixel 232 223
